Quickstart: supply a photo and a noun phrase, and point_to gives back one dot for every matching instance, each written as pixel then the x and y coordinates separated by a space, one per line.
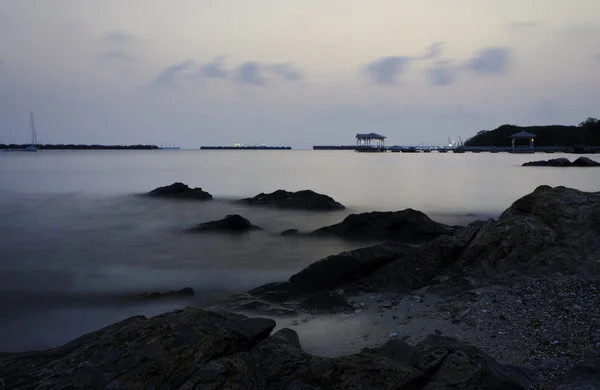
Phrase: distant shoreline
pixel 80 147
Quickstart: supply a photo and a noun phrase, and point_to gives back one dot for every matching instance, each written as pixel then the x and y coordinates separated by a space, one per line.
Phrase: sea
pixel 77 234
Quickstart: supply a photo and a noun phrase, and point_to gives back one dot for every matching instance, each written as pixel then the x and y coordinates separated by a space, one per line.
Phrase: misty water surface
pixel 76 234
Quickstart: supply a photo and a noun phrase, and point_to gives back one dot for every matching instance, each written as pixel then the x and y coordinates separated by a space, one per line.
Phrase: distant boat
pixel 32 147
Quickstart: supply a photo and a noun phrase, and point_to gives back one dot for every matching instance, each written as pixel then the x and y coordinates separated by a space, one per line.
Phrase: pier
pixel 246 147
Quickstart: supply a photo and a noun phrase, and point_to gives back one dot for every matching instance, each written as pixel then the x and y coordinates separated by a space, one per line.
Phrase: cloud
pixel 118 37
pixel 442 73
pixel 214 69
pixel 287 71
pixel 166 76
pixel 117 55
pixel 385 70
pixel 523 25
pixel 434 51
pixel 251 73
pixel 491 60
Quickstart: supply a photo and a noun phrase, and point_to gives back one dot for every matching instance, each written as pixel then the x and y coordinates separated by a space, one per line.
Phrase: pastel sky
pixel 293 72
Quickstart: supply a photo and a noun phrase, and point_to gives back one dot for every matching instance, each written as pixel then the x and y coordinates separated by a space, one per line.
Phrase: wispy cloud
pixel 385 70
pixel 434 51
pixel 215 69
pixel 251 73
pixel 442 73
pixel 287 71
pixel 166 77
pixel 118 36
pixel 491 60
pixel 117 54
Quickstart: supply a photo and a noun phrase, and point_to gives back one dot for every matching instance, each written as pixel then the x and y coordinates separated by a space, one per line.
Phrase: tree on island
pixel 586 133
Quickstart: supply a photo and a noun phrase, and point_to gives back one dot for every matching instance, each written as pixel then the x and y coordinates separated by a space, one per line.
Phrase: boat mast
pixel 33 135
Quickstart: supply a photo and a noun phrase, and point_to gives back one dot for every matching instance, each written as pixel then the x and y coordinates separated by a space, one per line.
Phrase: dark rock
pixel 408 226
pixel 549 230
pixel 332 272
pixel 232 222
pixel 416 267
pixel 583 376
pixel 248 303
pixel 305 200
pixel 193 348
pixel 555 162
pixel 180 190
pixel 289 232
pixel 183 293
pixel 166 351
pixel 585 162
pixel 326 302
pixel 563 162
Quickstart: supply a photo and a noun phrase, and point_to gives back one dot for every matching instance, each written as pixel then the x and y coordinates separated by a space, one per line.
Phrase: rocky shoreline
pixel 512 303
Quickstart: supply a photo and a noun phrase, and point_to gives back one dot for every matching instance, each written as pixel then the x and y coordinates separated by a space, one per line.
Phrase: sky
pixel 293 72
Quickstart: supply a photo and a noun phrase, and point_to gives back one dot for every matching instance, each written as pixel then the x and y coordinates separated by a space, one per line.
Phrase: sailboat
pixel 32 147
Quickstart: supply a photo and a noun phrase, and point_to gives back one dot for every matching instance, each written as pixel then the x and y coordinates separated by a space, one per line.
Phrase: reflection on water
pixel 76 235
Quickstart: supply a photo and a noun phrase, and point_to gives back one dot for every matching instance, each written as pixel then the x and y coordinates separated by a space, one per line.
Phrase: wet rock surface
pixel 194 348
pixel 563 162
pixel 300 200
pixel 180 191
pixel 408 226
pixel 231 223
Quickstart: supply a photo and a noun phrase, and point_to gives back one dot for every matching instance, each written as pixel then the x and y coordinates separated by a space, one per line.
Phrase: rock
pixel 563 162
pixel 180 190
pixel 326 302
pixel 305 200
pixel 246 303
pixel 289 232
pixel 416 267
pixel 549 230
pixel 555 162
pixel 193 348
pixel 583 376
pixel 332 272
pixel 232 222
pixel 183 293
pixel 166 351
pixel 408 226
pixel 585 162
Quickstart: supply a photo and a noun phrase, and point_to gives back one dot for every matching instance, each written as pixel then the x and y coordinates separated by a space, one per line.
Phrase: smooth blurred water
pixel 75 234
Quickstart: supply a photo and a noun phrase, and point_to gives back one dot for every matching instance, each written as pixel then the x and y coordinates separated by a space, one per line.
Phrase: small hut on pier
pixel 364 140
pixel 523 135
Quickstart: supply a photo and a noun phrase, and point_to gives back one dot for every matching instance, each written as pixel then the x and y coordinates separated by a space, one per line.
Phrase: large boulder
pixel 231 223
pixel 549 230
pixel 583 376
pixel 305 200
pixel 193 348
pixel 408 226
pixel 180 191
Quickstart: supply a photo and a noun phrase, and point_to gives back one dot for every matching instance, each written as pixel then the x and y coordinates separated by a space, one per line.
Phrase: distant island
pixel 587 133
pixel 80 147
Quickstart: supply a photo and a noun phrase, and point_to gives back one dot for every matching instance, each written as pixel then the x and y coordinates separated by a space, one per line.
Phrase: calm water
pixel 76 235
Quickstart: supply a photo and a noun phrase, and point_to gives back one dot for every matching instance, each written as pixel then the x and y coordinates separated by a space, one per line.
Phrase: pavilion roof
pixel 522 134
pixel 370 135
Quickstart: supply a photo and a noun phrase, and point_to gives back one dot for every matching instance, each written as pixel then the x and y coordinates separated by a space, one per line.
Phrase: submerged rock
pixel 193 348
pixel 563 162
pixel 305 200
pixel 289 232
pixel 408 226
pixel 326 302
pixel 180 190
pixel 232 223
